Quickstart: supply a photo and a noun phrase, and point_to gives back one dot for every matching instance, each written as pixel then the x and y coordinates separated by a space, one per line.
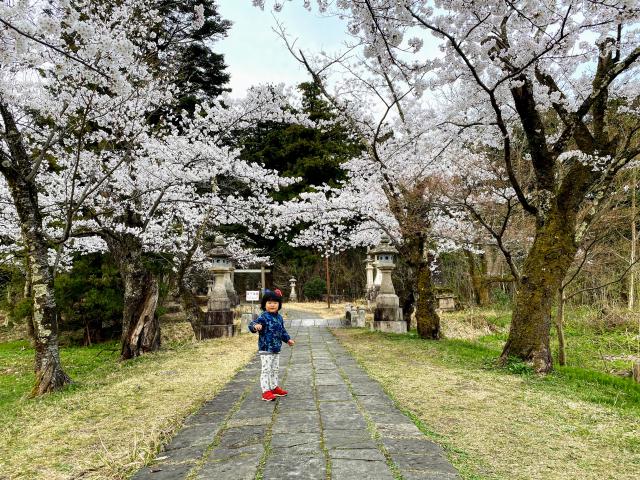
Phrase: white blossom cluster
pixel 107 171
pixel 443 118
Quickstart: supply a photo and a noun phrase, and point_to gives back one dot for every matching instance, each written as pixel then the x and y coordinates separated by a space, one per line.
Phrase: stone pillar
pixel 231 292
pixel 349 318
pixel 361 314
pixel 378 279
pixel 369 267
pixel 387 316
pixel 293 297
pixel 245 320
pixel 210 285
pixel 371 287
pixel 218 321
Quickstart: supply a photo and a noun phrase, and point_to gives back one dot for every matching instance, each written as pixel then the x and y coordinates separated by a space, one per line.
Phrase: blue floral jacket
pixel 272 334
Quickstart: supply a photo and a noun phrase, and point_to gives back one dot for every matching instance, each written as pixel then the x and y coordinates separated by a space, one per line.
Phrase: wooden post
pixel 326 267
pixel 263 277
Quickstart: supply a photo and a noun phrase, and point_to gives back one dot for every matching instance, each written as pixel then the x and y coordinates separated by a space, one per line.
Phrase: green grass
pixel 86 366
pixel 598 352
pixel 506 422
pixel 16 376
pixel 115 415
pixel 573 382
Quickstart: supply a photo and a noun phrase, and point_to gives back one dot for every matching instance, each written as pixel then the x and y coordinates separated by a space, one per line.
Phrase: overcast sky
pixel 255 54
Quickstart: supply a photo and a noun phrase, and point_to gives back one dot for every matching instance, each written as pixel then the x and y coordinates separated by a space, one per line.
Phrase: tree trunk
pixel 562 356
pixel 190 305
pixel 478 281
pixel 408 308
pixel 544 269
pixel 44 322
pixel 192 311
pixel 427 319
pixel 140 324
pixel 632 260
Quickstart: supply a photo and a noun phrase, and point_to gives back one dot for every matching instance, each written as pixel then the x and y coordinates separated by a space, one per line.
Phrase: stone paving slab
pixel 335 419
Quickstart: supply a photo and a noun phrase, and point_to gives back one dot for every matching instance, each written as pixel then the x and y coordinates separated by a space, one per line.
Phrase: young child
pixel 270 326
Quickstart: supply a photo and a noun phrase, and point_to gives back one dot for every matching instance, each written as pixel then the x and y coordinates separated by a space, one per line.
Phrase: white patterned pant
pixel 270 369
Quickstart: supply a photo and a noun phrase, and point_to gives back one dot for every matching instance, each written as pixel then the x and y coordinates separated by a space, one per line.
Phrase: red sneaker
pixel 278 392
pixel 268 396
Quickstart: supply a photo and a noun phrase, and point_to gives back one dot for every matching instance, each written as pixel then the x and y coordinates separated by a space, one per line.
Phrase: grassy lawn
pixel 117 414
pixel 505 423
pixel 581 422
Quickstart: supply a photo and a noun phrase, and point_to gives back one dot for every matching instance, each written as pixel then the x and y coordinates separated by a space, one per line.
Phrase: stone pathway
pixel 336 423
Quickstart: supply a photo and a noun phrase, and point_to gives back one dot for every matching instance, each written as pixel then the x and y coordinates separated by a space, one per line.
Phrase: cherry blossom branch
pixel 53 47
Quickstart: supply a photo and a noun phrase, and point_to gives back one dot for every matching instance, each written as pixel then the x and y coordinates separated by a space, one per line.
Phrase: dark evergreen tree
pixel 312 153
pixel 185 49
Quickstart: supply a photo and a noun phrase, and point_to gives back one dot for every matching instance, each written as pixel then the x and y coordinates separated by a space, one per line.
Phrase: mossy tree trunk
pixel 140 324
pixel 544 270
pixel 43 326
pixel 427 319
pixel 478 281
pixel 416 253
pixel 564 189
pixel 562 354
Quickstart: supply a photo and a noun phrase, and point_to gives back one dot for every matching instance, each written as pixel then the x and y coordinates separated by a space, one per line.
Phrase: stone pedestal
pixel 446 303
pixel 218 320
pixel 387 316
pixel 217 325
pixel 350 314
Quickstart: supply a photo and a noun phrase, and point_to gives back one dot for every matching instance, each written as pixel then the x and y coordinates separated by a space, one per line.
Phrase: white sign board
pixel 253 295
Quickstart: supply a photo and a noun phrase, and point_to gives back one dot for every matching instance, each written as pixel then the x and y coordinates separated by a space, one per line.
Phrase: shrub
pixel 315 288
pixel 89 297
pixel 501 299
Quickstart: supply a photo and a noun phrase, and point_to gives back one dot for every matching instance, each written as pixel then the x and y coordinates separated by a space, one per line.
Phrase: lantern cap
pixel 384 247
pixel 219 249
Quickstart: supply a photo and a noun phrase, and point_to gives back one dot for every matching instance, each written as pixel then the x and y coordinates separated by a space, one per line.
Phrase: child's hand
pixel 291 342
pixel 257 327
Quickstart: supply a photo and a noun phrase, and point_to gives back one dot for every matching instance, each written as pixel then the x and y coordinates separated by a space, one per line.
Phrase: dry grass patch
pixel 500 426
pixel 317 309
pixel 110 425
pixel 472 323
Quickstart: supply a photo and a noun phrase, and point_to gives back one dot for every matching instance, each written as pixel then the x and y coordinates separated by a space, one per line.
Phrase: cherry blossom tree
pixel 512 66
pixel 160 195
pixel 163 202
pixel 70 72
pixel 392 187
pixel 96 160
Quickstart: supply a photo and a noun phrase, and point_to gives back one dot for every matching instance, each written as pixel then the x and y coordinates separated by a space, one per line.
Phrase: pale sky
pixel 254 54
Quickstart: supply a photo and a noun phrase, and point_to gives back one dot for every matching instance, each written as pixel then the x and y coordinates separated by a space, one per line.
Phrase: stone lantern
pixel 292 296
pixel 371 288
pixel 387 316
pixel 219 317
